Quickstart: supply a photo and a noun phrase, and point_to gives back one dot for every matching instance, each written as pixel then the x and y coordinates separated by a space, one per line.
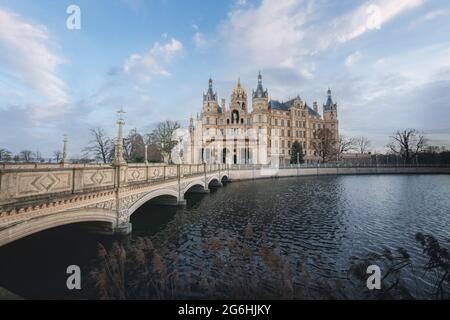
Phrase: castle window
pixel 289 133
pixel 207 120
pixel 242 121
pixel 282 132
pixel 228 121
pixel 260 118
pixel 282 122
pixel 288 123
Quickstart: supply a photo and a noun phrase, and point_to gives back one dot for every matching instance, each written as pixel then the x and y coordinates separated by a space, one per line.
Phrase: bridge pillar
pixel 123 229
pixel 200 191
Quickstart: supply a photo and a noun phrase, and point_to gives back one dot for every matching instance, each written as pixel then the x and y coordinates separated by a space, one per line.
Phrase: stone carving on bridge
pixel 30 184
pixel 124 205
pixel 171 172
pixel 136 175
pixel 98 178
pixel 107 205
pixel 156 173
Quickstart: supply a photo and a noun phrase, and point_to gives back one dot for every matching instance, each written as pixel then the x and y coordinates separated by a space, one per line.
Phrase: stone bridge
pixel 39 197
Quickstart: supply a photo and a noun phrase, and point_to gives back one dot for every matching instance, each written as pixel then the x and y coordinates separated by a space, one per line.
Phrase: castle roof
pixel 330 104
pixel 285 106
pixel 210 94
pixel 260 93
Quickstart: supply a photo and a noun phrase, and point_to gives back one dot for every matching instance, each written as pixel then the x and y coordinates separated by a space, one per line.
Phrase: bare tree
pixel 100 147
pixel 57 155
pixel 326 147
pixel 153 149
pixel 5 155
pixel 164 137
pixel 346 144
pixel 134 146
pixel 26 155
pixel 362 145
pixel 407 143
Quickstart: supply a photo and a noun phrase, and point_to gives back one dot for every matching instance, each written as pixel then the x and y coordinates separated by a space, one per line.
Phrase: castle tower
pixel 238 103
pixel 330 116
pixel 210 100
pixel 260 96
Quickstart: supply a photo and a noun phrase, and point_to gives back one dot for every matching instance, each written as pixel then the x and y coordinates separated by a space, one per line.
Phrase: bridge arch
pixel 224 177
pixel 32 226
pixel 195 185
pixel 171 193
pixel 213 181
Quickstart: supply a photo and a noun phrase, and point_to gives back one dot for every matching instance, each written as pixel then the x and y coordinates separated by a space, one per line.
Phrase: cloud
pixel 28 62
pixel 154 62
pixel 370 16
pixel 429 16
pixel 353 58
pixel 200 41
pixel 288 32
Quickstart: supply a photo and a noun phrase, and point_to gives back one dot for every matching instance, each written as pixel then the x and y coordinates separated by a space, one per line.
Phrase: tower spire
pixel 260 93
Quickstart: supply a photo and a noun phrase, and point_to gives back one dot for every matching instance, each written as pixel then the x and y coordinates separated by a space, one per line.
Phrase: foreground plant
pixel 253 268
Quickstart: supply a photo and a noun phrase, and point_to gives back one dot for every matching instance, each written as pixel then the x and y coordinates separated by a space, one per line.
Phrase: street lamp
pixel 145 153
pixel 181 149
pixel 163 152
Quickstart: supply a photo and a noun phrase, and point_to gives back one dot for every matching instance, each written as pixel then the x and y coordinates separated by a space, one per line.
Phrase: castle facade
pixel 234 134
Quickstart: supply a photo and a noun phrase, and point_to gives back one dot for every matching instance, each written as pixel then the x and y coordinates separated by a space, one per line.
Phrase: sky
pixel 386 61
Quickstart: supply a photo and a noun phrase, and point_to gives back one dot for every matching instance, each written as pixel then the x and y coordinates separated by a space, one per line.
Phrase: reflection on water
pixel 321 221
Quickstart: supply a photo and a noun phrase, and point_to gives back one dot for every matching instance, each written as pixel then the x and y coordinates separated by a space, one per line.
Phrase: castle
pixel 264 135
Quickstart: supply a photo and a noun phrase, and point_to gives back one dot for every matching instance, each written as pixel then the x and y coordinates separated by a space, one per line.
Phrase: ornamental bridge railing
pixel 30 182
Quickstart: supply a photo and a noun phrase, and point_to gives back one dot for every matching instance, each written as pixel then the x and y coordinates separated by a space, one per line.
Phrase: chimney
pixel 223 105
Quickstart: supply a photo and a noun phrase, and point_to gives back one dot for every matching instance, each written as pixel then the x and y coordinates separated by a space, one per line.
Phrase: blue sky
pixel 387 62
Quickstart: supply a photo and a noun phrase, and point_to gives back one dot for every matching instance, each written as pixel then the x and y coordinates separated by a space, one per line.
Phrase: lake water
pixel 322 221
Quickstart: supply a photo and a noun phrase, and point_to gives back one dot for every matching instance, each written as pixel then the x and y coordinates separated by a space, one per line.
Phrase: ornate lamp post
pixel 118 155
pixel 181 149
pixel 64 160
pixel 163 153
pixel 145 154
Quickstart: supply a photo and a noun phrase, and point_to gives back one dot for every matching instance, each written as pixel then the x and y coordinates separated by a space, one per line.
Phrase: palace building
pixel 234 134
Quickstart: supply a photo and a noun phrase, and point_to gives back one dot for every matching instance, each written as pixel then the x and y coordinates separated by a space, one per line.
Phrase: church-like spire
pixel 330 104
pixel 260 93
pixel 210 95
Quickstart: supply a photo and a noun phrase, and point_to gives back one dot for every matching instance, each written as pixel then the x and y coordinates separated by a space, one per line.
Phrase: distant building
pixel 264 135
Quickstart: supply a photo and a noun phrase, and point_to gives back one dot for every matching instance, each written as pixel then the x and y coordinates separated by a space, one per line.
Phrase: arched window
pixel 235 116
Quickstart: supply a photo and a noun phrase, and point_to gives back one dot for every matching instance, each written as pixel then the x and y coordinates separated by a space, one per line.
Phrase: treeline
pixel 101 147
pixel 408 146
pixel 159 142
